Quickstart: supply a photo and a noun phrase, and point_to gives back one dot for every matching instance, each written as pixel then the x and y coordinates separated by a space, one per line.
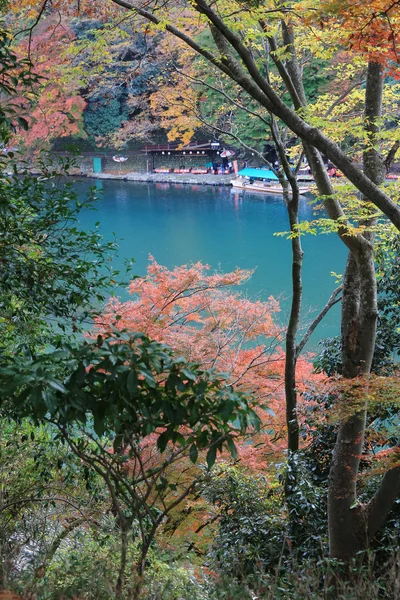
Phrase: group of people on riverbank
pixel 223 168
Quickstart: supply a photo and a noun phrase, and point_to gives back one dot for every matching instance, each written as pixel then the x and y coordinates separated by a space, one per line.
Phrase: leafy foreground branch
pixel 138 411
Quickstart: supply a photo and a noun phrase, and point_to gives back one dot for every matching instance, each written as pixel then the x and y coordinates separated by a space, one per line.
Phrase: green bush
pixel 311 581
pixel 251 522
pixel 257 529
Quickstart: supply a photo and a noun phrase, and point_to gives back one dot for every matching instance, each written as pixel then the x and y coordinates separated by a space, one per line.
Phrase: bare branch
pixel 391 155
pixel 331 302
pixel 380 505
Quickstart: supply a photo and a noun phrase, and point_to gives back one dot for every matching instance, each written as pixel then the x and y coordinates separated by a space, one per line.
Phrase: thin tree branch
pixel 388 161
pixel 380 505
pixel 331 302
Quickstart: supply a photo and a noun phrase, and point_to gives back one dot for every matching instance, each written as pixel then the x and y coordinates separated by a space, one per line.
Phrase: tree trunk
pixel 291 342
pixel 345 522
pixel 288 180
pixel 351 526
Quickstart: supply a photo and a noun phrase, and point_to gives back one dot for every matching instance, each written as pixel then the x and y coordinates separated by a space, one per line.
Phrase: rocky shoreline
pixel 188 178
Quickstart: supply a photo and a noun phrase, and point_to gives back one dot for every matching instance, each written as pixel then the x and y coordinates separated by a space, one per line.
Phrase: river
pixel 179 223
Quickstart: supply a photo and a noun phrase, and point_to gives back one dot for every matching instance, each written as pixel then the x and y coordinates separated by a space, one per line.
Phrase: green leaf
pixel 193 453
pixel 98 424
pixel 232 448
pixel 23 123
pixel 57 385
pixel 163 441
pixel 132 383
pixel 211 456
pixel 189 374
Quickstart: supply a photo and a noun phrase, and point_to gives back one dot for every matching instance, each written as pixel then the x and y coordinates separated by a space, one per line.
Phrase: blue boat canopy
pixel 258 174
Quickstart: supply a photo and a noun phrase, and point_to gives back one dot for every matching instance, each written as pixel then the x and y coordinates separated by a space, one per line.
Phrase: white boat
pixel 304 176
pixel 262 180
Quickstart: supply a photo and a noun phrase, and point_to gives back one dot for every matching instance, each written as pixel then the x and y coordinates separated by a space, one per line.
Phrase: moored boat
pixel 304 176
pixel 262 180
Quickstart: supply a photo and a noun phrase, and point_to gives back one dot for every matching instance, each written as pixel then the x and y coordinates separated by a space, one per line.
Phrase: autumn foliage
pixel 368 28
pixel 200 316
pixel 54 108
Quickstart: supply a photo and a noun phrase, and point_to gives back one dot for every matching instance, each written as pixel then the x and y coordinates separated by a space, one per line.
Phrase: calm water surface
pixel 178 224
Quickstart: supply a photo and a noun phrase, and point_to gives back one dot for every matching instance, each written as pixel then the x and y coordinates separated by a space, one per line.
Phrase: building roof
pixel 178 147
pixel 258 174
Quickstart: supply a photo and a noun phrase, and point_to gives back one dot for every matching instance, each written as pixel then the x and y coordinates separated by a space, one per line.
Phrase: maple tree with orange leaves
pixel 370 29
pixel 204 319
pixel 52 109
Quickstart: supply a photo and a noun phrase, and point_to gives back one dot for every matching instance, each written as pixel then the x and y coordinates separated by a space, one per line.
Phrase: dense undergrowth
pixel 60 536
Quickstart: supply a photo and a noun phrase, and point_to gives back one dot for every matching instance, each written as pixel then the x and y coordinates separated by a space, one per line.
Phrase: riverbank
pixel 189 178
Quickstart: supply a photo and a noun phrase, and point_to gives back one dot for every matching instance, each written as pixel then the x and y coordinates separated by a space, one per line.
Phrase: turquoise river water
pixel 180 223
